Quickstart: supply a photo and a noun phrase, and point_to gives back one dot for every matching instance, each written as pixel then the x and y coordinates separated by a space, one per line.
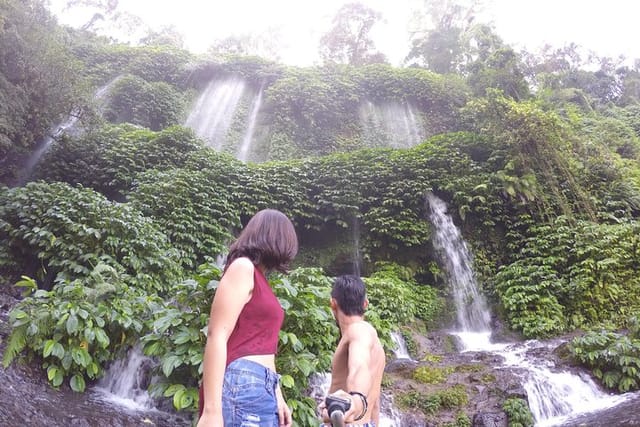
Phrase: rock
pixel 490 419
pixel 403 367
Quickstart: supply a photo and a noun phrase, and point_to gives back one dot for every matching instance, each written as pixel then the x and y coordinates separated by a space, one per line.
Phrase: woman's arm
pixel 234 291
pixel 284 413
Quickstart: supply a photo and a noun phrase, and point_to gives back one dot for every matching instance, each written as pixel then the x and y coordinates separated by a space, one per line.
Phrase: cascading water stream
pixel 243 152
pixel 57 132
pixel 125 382
pixel 471 307
pixel 60 129
pixel 391 124
pixel 400 351
pixel 356 247
pixel 213 112
pixel 553 395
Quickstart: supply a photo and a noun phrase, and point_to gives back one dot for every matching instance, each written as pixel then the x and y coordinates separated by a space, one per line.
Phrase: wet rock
pixel 490 419
pixel 625 414
pixel 403 367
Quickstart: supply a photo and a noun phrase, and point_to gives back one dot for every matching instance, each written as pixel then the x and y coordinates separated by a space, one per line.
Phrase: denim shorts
pixel 249 395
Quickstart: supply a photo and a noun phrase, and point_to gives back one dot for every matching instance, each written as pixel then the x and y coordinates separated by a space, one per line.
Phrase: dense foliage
pixel 57 233
pixel 39 81
pixel 537 158
pixel 613 356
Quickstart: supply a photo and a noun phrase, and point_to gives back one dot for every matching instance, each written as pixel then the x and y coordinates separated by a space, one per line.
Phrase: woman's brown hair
pixel 269 239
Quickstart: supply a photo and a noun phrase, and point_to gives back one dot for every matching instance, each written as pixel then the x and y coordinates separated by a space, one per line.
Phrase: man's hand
pixel 354 410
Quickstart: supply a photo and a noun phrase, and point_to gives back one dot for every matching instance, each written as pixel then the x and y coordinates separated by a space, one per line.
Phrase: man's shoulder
pixel 362 329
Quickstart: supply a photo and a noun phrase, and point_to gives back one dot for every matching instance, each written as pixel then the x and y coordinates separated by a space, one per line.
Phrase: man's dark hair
pixel 269 238
pixel 350 293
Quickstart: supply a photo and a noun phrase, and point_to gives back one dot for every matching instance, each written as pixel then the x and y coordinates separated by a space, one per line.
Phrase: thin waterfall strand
pixel 213 112
pixel 243 153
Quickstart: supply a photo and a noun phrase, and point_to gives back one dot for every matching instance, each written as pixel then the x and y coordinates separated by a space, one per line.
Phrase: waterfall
pixel 391 124
pixel 125 382
pixel 471 307
pixel 56 133
pixel 356 247
pixel 213 112
pixel 400 350
pixel 553 395
pixel 59 130
pixel 243 153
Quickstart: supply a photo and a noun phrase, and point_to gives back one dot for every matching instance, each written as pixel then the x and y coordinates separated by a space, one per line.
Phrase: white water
pixel 55 133
pixel 60 129
pixel 123 385
pixel 391 124
pixel 471 307
pixel 553 395
pixel 244 150
pixel 400 350
pixel 213 112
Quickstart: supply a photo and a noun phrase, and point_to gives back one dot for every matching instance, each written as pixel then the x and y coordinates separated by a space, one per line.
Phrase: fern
pixel 17 343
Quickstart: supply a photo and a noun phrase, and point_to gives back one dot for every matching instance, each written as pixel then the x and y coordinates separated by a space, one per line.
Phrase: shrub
pixel 56 233
pixel 518 412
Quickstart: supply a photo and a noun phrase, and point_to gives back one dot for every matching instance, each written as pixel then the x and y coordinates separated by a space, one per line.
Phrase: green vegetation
pixel 432 403
pixel 518 412
pixel 432 375
pixel 614 357
pixel 115 236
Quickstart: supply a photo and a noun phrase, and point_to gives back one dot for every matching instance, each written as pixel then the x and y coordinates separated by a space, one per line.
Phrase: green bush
pixel 154 105
pixel 518 412
pixel 431 375
pixel 613 357
pixel 109 158
pixel 432 403
pixel 79 326
pixel 56 233
pixel 199 218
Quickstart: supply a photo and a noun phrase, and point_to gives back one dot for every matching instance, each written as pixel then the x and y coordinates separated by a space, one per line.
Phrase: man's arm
pixel 359 378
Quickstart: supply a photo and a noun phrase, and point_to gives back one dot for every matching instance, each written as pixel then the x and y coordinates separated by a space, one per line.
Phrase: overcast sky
pixel 608 27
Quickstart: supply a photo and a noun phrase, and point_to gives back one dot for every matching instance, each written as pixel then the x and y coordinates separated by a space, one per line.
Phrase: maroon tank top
pixel 259 323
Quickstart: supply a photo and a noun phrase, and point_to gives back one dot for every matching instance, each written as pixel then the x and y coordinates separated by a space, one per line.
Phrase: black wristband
pixel 364 403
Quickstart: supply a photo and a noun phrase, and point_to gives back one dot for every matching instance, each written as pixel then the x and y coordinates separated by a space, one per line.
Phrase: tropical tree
pixel 349 40
pixel 438 37
pixel 39 80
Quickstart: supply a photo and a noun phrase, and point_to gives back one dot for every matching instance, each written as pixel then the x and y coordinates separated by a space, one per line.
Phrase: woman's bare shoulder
pixel 242 264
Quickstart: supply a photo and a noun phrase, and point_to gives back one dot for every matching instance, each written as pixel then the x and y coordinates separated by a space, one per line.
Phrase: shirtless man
pixel 359 360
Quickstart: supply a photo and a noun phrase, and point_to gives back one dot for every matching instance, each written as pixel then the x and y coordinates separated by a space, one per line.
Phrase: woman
pixel 240 384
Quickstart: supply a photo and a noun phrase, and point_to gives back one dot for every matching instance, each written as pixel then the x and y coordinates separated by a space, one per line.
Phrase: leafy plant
pixel 66 232
pixel 613 357
pixel 518 412
pixel 79 326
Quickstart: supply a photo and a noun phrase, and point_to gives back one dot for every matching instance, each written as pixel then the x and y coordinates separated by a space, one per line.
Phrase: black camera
pixel 335 403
